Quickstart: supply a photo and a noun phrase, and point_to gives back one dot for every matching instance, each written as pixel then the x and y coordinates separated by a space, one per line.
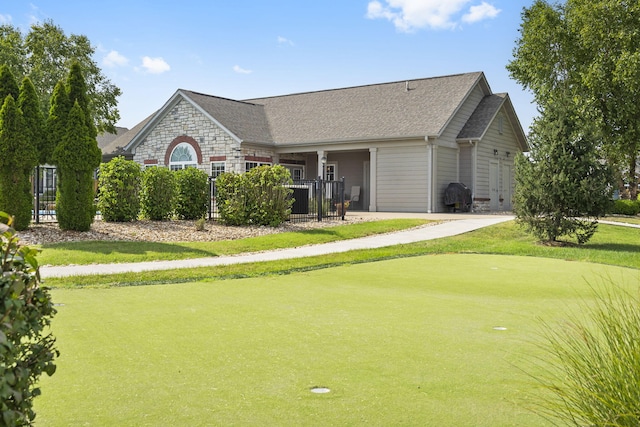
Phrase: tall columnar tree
pixel 77 92
pixel 589 52
pixel 76 157
pixel 17 159
pixel 8 84
pixel 45 54
pixel 563 186
pixel 56 122
pixel 33 119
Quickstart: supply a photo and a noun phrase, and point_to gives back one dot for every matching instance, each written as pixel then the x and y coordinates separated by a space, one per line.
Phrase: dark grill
pixel 458 197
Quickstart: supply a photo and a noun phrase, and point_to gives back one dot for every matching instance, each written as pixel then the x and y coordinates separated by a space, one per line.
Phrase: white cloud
pixel 115 59
pixel 5 19
pixel 155 65
pixel 284 40
pixel 481 12
pixel 241 70
pixel 411 15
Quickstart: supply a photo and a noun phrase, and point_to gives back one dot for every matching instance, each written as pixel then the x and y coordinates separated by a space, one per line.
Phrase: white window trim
pixel 176 165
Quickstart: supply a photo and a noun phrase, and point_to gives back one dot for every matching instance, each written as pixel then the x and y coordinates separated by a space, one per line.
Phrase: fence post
pixel 319 197
pixel 342 196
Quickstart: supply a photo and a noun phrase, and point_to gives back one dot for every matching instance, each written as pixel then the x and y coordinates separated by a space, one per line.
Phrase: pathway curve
pixel 446 229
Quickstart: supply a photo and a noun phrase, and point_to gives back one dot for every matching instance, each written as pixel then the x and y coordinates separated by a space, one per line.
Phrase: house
pixel 401 143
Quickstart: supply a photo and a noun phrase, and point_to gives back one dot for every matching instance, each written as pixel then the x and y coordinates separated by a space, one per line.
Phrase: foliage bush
pixel 192 193
pixel 593 373
pixel 258 197
pixel 562 187
pixel 157 193
pixel 26 350
pixel 230 197
pixel 626 207
pixel 119 190
pixel 269 198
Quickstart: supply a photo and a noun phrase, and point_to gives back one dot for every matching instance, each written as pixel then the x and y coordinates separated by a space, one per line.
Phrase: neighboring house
pixel 401 143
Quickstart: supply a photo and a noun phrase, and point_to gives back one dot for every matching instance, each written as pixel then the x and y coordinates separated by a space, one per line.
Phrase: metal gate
pixel 44 181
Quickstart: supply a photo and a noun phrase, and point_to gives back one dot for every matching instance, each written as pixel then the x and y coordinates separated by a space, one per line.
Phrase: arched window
pixel 183 156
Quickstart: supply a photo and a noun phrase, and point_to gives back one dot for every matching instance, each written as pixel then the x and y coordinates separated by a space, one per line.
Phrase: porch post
pixel 373 179
pixel 322 159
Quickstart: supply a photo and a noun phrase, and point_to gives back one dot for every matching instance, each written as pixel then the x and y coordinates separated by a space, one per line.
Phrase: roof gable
pixel 476 127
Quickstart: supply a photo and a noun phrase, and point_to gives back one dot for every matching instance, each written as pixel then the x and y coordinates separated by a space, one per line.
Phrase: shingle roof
pixel 386 110
pixel 245 120
pixel 482 116
pixel 105 138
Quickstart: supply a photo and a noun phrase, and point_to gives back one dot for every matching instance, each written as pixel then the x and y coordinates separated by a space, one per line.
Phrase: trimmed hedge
pixel 626 207
pixel 258 197
pixel 119 190
pixel 192 193
pixel 158 190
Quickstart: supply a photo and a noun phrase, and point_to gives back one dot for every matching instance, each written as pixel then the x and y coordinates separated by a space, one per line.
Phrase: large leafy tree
pixel 589 52
pixel 562 186
pixel 46 53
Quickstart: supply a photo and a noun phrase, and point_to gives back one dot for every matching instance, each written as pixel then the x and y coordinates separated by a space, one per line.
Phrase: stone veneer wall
pixel 184 119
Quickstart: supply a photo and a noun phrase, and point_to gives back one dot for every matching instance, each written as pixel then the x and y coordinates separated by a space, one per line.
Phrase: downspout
pixel 430 165
pixel 474 169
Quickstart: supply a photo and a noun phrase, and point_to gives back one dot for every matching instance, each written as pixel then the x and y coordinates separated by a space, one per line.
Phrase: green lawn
pixel 408 341
pixel 613 245
pixel 105 251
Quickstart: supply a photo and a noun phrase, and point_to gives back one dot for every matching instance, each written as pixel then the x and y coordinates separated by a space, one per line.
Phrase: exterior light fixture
pixel 495 152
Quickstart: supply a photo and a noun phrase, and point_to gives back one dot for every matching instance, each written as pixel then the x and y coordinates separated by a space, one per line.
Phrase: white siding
pixel 504 142
pixel 447 167
pixel 403 178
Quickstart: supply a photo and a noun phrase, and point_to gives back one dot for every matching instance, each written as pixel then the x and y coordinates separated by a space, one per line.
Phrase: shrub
pixel 230 198
pixel 119 190
pixel 26 351
pixel 158 190
pixel 192 193
pixel 626 207
pixel 593 372
pixel 257 197
pixel 269 199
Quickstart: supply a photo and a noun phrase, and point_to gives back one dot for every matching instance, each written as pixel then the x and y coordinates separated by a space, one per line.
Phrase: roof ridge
pixel 217 97
pixel 366 85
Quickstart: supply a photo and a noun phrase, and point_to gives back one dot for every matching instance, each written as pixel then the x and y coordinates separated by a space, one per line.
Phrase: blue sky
pixel 244 49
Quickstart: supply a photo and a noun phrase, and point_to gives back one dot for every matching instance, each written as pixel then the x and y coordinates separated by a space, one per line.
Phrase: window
pixel 500 125
pixel 250 165
pixel 183 156
pixel 297 172
pixel 217 168
pixel 331 171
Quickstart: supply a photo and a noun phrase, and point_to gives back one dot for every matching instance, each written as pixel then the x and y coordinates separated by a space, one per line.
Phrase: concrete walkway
pixel 457 224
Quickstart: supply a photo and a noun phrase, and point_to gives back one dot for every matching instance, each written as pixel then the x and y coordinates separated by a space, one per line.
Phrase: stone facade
pixel 184 123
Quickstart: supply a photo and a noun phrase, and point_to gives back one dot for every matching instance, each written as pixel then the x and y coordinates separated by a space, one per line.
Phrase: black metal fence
pixel 44 181
pixel 313 200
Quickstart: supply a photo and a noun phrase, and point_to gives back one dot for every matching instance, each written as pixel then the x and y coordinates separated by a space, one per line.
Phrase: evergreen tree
pixel 8 84
pixel 76 156
pixel 17 159
pixel 77 91
pixel 563 187
pixel 33 119
pixel 56 122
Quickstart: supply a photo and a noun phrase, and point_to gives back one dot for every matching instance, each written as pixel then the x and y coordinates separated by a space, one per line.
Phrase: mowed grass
pixel 408 341
pixel 104 251
pixel 613 245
